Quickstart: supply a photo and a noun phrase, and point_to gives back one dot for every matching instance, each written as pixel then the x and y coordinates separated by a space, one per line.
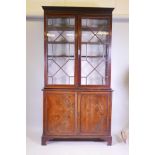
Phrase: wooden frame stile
pixel 109 52
pixel 67 107
pixel 45 52
pixel 79 50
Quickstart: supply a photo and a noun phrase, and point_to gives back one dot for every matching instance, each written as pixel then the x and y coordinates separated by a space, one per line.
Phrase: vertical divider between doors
pixel 76 114
pixel 76 51
pixel 76 74
pixel 79 72
pixel 79 49
pixel 79 111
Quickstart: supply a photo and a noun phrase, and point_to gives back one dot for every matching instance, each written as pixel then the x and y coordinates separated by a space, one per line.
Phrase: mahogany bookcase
pixel 77 94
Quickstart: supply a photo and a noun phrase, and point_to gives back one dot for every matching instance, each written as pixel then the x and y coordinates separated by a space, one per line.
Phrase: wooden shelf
pixel 61 56
pixel 60 42
pixel 60 28
pixel 72 28
pixel 65 42
pixel 105 28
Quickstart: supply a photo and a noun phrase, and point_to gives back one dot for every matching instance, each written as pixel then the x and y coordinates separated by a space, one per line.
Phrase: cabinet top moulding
pixel 77 10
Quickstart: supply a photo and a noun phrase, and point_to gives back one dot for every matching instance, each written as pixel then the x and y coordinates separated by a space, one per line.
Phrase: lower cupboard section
pixel 71 114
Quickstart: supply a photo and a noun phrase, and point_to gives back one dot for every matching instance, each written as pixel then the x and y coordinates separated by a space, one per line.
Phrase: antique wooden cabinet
pixel 77 97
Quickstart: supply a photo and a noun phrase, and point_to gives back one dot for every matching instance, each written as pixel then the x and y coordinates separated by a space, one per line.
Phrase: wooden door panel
pixel 93 113
pixel 60 115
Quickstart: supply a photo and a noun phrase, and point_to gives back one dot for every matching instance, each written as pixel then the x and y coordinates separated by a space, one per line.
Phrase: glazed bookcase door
pixel 60 52
pixel 94 48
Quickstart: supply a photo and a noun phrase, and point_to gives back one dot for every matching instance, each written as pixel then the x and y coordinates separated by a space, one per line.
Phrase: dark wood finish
pixel 77 112
pixel 60 115
pixel 94 113
pixel 90 43
pixel 77 10
pixel 77 115
pixel 71 28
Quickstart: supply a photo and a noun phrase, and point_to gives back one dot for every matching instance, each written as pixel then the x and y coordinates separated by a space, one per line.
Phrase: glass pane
pixel 61 50
pixel 94 45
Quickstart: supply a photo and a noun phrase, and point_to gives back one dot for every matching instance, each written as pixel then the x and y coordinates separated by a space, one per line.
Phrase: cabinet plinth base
pixel 109 141
pixel 45 139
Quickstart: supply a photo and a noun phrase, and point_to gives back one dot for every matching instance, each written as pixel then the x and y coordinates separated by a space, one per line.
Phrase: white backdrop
pixel 35 74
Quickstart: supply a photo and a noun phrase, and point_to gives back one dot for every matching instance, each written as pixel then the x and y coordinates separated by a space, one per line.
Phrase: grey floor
pixel 34 147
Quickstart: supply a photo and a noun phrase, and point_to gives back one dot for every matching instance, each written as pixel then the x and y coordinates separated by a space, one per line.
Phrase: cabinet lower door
pixel 95 111
pixel 59 113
